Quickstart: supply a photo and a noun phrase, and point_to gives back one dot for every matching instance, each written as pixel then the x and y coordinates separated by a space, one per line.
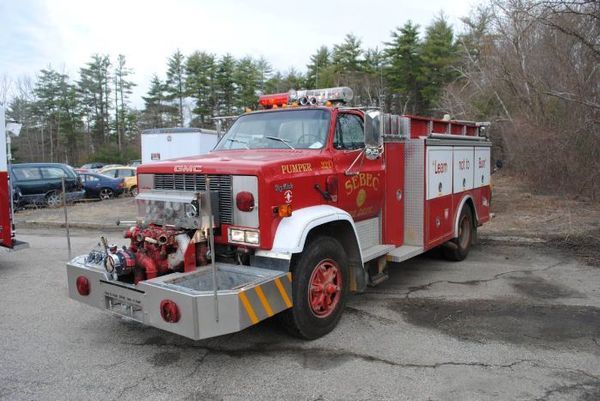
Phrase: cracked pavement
pixel 510 322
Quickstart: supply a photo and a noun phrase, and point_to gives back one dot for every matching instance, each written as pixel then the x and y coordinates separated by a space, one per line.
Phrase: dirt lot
pixel 88 214
pixel 560 222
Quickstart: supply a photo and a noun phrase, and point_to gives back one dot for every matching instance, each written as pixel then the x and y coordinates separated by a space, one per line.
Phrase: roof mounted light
pixel 310 97
pixel 273 100
pixel 313 97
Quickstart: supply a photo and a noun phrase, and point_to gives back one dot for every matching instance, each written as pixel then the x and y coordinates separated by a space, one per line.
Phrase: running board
pixel 375 251
pixel 403 253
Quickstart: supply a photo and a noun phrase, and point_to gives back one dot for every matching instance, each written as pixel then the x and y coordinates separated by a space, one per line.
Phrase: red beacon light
pixel 273 100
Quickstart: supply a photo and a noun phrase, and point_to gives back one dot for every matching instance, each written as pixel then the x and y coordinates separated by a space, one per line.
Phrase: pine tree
pixel 225 85
pixel 275 83
pixel 94 91
pixel 57 105
pixel 265 70
pixel 439 54
pixel 155 104
pixel 123 89
pixel 201 69
pixel 319 73
pixel 247 77
pixel 346 56
pixel 404 68
pixel 175 84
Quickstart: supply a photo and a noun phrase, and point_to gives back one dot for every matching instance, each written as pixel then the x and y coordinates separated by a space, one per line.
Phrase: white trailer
pixel 172 143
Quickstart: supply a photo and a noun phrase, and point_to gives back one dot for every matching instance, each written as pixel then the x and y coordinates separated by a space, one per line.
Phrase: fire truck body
pixel 7 232
pixel 309 203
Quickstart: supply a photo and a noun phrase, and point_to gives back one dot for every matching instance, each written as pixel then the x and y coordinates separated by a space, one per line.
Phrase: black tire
pixel 133 191
pixel 106 193
pixel 54 199
pixel 303 320
pixel 459 247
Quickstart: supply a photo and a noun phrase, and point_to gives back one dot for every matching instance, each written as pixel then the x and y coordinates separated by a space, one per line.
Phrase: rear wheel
pixel 458 248
pixel 319 289
pixel 54 199
pixel 106 193
pixel 134 191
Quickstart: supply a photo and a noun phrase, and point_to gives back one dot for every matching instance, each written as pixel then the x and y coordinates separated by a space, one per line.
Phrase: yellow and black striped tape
pixel 267 299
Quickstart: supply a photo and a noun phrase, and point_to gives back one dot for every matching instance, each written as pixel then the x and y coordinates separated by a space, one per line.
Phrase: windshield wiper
pixel 238 141
pixel 276 138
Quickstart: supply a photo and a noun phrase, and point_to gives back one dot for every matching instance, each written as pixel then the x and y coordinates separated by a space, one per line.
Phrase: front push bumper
pixel 245 296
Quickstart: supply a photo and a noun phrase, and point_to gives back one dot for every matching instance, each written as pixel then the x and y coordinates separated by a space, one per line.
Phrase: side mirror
pixel 373 134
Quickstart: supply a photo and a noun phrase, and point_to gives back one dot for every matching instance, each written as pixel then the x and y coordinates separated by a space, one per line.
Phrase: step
pixel 403 253
pixel 375 251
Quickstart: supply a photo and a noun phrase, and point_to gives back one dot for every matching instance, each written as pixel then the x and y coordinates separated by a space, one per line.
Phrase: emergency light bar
pixel 304 97
pixel 320 96
pixel 275 99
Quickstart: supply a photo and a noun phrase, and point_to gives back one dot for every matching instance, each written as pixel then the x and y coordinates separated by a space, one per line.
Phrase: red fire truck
pixel 7 228
pixel 299 204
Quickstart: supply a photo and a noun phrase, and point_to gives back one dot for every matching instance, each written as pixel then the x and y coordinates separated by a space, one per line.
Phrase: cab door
pixel 361 181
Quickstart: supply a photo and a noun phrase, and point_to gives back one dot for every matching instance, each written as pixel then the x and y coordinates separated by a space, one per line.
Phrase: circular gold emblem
pixel 361 197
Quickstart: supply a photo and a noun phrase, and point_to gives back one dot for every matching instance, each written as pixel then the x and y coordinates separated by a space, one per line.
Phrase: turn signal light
pixel 244 201
pixel 284 210
pixel 83 286
pixel 169 311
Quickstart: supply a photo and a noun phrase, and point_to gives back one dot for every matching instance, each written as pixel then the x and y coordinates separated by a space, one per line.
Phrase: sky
pixel 65 33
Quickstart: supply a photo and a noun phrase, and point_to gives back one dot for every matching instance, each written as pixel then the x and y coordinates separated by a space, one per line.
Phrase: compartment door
pixel 463 168
pixel 438 204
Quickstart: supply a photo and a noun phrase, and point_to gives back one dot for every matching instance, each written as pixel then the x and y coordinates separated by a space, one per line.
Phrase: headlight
pixel 236 235
pixel 252 237
pixel 239 236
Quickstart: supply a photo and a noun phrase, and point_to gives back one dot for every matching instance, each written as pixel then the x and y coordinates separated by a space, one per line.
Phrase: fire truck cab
pixel 298 205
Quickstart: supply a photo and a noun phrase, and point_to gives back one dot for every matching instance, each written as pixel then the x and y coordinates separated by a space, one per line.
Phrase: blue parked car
pixel 101 186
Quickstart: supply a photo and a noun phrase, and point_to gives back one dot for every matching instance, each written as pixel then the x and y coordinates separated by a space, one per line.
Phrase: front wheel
pixel 134 191
pixel 319 289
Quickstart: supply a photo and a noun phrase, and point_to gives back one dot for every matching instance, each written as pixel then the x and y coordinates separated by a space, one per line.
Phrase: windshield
pixel 292 129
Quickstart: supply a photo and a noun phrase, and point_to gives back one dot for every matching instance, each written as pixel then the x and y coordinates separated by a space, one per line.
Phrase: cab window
pixel 349 133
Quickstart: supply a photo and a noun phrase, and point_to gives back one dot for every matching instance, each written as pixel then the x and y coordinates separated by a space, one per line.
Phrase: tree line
pixel 530 67
pixel 91 117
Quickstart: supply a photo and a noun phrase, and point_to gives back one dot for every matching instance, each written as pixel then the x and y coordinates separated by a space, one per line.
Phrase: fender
pixel 459 210
pixel 292 231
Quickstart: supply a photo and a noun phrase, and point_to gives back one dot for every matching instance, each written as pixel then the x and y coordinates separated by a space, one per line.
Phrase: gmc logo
pixel 187 169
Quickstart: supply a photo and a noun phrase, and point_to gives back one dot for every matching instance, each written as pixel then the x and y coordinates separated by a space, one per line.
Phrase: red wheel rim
pixel 325 288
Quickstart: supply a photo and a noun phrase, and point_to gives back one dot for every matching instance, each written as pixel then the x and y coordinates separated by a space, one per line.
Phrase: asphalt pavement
pixel 511 322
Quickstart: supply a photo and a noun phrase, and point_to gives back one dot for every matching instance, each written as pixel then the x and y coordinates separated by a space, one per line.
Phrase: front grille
pixel 197 182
